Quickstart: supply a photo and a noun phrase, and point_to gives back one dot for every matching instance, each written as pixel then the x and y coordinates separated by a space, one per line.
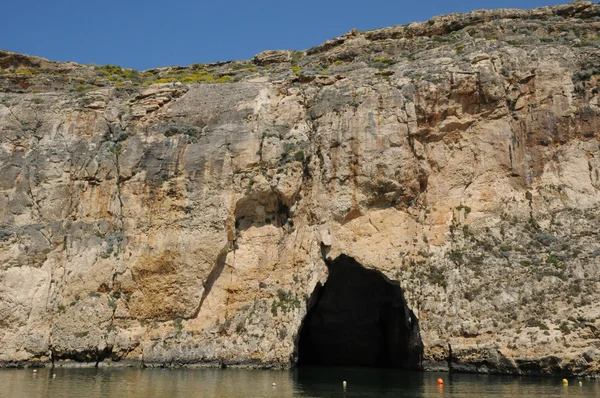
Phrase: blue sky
pixel 146 34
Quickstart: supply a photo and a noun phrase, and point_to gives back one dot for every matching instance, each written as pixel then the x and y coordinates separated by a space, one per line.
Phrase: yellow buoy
pixel 565 382
pixel 580 384
pixel 344 383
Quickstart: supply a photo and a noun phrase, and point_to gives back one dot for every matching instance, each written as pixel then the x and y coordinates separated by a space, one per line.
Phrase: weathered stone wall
pixel 187 221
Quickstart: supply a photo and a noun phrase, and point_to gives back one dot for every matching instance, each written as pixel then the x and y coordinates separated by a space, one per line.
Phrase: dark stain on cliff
pixel 359 318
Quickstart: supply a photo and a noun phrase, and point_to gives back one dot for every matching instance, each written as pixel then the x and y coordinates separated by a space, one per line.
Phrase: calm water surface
pixel 303 382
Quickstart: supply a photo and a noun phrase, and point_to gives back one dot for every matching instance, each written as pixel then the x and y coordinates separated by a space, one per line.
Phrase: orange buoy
pixel 440 381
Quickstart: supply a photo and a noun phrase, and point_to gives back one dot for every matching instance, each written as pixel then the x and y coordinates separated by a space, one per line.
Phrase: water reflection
pixel 327 382
pixel 302 382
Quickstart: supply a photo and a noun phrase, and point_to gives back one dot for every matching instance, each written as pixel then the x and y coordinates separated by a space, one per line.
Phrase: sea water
pixel 301 382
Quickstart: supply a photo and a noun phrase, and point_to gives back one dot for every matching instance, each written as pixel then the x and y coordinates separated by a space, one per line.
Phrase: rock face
pixel 188 215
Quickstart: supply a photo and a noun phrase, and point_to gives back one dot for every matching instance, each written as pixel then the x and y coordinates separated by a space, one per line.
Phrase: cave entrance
pixel 359 318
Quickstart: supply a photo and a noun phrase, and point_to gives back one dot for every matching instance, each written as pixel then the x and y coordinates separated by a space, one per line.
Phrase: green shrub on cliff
pixel 178 325
pixel 455 256
pixel 287 301
pixel 114 72
pixel 24 71
pixel 381 62
pixel 224 79
pixel 584 75
pixel 437 277
pixel 159 81
pixel 197 77
pixel 296 57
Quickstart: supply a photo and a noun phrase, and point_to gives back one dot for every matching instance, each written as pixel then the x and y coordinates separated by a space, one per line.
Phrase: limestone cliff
pixel 188 215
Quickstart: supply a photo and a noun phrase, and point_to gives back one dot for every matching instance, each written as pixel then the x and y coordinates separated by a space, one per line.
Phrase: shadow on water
pixel 365 382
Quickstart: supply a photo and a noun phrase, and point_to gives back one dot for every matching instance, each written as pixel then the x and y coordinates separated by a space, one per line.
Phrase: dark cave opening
pixel 359 318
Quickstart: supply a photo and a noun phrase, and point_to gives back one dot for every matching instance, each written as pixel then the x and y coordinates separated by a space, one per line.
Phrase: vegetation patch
pixel 455 256
pixel 437 277
pixel 381 62
pixel 287 302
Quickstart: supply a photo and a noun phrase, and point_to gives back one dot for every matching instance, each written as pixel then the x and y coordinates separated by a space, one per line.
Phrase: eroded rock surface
pixel 185 215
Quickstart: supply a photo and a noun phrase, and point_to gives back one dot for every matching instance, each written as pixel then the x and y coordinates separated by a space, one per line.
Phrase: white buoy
pixel 273 384
pixel 344 384
pixel 34 370
pixel 580 384
pixel 54 375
